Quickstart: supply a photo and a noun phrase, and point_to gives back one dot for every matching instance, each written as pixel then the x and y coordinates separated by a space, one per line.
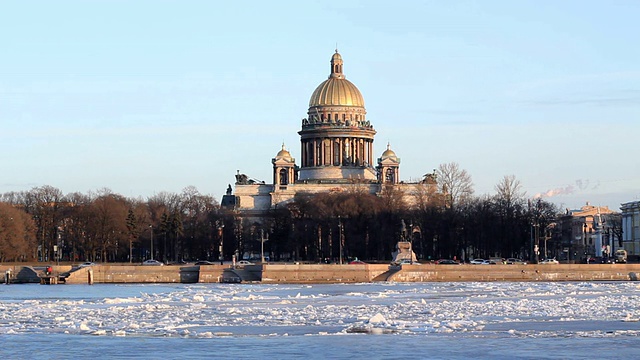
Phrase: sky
pixel 148 96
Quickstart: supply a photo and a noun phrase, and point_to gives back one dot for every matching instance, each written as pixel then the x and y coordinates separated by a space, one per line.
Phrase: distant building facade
pixel 336 153
pixel 589 231
pixel 631 227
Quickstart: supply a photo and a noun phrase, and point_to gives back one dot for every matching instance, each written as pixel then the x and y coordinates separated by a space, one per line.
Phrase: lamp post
pixel 411 242
pixel 532 257
pixel 262 240
pixel 340 236
pixel 611 243
pixel 220 233
pixel 584 236
pixel 546 253
pixel 151 228
pixel 536 245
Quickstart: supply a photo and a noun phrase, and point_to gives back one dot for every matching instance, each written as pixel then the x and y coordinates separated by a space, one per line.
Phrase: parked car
pixel 179 262
pixel 244 262
pixel 592 260
pixel 607 260
pixel 447 262
pixel 621 256
pixel 203 262
pixel 152 262
pixel 482 262
pixel 549 261
pixel 496 260
pixel 515 261
pixel 87 264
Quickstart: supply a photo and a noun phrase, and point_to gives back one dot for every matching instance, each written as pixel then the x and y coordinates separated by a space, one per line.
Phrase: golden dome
pixel 336 90
pixel 388 153
pixel 283 153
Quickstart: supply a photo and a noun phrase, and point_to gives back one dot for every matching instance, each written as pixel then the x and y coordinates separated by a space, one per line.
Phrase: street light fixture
pixel 262 240
pixel 411 242
pixel 584 236
pixel 221 234
pixel 151 228
pixel 340 236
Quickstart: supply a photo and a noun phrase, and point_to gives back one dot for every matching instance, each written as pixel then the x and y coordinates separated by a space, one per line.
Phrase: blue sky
pixel 149 96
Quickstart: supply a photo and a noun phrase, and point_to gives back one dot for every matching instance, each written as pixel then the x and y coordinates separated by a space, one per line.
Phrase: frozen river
pixel 380 320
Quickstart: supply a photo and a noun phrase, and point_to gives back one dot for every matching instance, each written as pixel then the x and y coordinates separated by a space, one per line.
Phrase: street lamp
pixel 220 233
pixel 151 228
pixel 546 237
pixel 584 236
pixel 611 243
pixel 340 236
pixel 411 243
pixel 262 240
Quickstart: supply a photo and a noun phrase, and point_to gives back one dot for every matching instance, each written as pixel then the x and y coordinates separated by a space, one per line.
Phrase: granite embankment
pixel 320 273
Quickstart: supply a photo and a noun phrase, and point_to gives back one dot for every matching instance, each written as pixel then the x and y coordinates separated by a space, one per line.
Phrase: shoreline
pixel 277 273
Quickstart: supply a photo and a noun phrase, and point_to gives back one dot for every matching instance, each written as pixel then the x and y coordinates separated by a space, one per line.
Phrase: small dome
pixel 388 153
pixel 284 153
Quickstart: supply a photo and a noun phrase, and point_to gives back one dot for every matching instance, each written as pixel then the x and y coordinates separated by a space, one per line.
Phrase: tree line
pixel 42 224
pixel 447 221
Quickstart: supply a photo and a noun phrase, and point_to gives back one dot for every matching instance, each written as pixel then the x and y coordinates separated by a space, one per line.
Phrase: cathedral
pixel 336 152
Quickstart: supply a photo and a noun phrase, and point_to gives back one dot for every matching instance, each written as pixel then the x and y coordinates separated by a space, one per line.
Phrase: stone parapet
pixel 320 273
pixel 323 273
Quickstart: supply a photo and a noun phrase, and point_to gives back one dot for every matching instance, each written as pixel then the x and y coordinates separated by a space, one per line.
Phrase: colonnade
pixel 337 151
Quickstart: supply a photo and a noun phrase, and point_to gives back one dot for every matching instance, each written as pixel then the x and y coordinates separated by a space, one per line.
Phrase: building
pixel 631 228
pixel 589 231
pixel 336 153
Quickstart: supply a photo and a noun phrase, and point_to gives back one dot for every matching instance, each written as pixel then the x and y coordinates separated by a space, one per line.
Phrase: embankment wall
pixel 321 273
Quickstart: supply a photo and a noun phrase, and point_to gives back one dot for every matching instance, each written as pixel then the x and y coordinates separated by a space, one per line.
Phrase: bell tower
pixel 284 169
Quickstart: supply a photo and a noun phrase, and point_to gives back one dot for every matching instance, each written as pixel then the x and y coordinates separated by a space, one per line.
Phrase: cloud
pixel 581 185
pixel 567 190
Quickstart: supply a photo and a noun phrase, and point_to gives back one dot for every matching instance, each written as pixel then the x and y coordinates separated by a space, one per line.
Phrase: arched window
pixel 284 178
pixel 390 176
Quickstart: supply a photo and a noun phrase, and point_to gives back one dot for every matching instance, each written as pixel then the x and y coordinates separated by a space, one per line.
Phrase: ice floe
pixel 213 310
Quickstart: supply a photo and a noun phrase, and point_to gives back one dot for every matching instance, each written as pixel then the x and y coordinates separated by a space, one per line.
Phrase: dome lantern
pixel 336 90
pixel 336 66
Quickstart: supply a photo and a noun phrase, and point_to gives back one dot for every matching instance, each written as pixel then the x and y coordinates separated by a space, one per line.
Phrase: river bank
pixel 277 273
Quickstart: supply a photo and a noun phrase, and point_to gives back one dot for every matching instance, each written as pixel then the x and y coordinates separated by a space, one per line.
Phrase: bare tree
pixel 44 204
pixel 509 201
pixel 17 234
pixel 109 225
pixel 454 183
pixel 76 219
pixel 509 190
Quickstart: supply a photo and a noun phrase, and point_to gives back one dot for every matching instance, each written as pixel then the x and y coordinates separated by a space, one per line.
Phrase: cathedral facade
pixel 336 152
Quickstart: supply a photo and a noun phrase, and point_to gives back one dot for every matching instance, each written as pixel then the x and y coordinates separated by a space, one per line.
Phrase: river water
pixel 555 320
